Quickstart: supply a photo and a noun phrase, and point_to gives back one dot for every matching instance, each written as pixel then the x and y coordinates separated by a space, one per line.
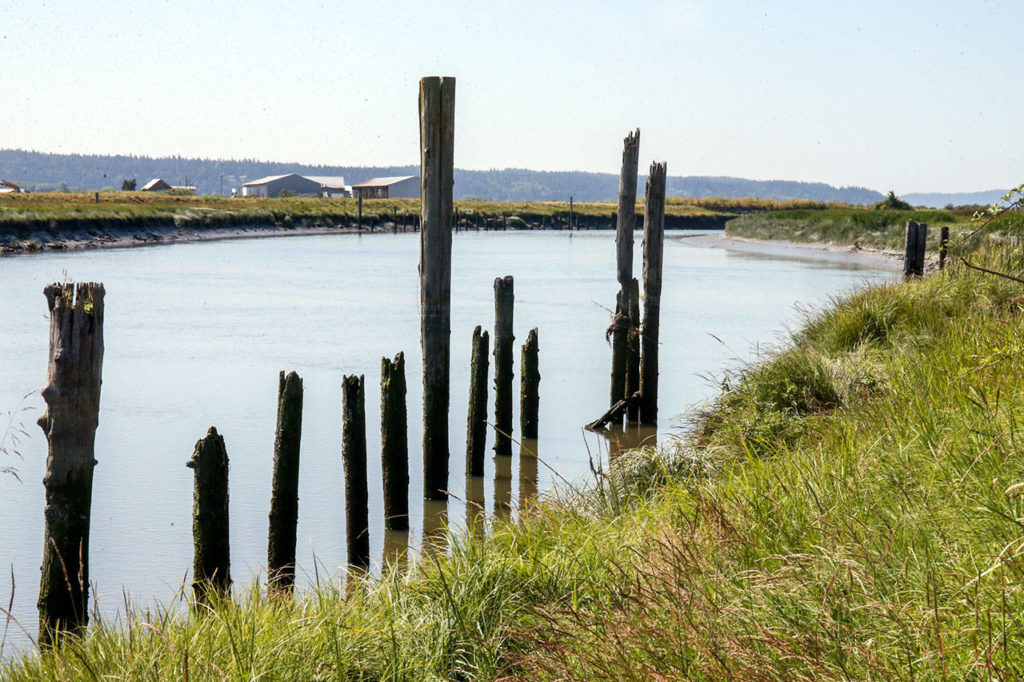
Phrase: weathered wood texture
pixel 633 350
pixel 529 386
pixel 913 261
pixel 211 564
pixel 476 420
pixel 353 453
pixel 618 334
pixel 614 413
pixel 943 246
pixel 437 133
pixel 394 438
pixel 654 238
pixel 284 500
pixel 72 396
pixel 626 220
pixel 504 302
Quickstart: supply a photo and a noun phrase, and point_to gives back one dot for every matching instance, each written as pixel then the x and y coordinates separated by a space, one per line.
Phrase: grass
pixel 848 226
pixel 848 507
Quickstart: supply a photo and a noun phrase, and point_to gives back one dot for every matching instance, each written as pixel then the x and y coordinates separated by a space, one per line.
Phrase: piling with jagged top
pixel 211 564
pixel 943 246
pixel 476 420
pixel 353 454
pixel 394 438
pixel 654 242
pixel 504 303
pixel 437 141
pixel 72 396
pixel 284 499
pixel 624 225
pixel 529 385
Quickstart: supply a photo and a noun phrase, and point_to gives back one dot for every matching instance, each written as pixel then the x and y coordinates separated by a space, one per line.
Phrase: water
pixel 197 333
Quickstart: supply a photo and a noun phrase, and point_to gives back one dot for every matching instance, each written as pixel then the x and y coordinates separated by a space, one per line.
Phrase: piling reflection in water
pixel 476 509
pixel 527 474
pixel 435 527
pixel 396 550
pixel 623 439
pixel 502 486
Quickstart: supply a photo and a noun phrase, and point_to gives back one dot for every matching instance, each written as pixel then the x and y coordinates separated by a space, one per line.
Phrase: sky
pixel 911 96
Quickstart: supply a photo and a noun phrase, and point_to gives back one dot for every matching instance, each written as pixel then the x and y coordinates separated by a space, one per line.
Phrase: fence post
pixel 437 134
pixel 72 396
pixel 284 500
pixel 943 245
pixel 654 236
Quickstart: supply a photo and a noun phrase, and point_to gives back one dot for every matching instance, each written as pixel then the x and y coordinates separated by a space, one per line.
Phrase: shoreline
pixel 888 259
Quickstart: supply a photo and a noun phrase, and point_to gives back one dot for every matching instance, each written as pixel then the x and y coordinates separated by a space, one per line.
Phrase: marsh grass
pixel 848 508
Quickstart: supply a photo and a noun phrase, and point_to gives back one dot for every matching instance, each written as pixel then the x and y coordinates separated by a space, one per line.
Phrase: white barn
pixel 403 186
pixel 273 185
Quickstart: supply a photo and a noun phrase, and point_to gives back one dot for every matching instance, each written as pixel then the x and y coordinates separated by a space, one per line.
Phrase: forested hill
pixel 38 171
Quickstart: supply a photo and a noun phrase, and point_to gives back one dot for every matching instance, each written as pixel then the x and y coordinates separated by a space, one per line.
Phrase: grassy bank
pixel 847 509
pixel 847 226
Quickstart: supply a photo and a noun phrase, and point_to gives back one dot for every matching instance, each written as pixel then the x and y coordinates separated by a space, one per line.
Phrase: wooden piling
pixel 654 236
pixel 476 421
pixel 359 223
pixel 72 396
pixel 284 500
pixel 633 350
pixel 624 225
pixel 437 136
pixel 353 453
pixel 943 246
pixel 211 564
pixel 504 301
pixel 571 222
pixel 394 438
pixel 913 262
pixel 529 386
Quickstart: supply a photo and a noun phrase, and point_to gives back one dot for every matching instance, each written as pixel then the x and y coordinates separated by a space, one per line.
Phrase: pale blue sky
pixel 914 96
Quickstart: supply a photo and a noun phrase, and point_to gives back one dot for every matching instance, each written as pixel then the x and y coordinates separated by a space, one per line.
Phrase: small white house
pixel 332 186
pixel 273 185
pixel 156 185
pixel 403 186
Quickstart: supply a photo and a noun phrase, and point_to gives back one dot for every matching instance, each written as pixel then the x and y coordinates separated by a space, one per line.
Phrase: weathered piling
pixel 353 453
pixel 284 500
pixel 437 137
pixel 913 261
pixel 72 396
pixel 572 224
pixel 476 420
pixel 359 224
pixel 943 246
pixel 529 386
pixel 654 236
pixel 633 350
pixel 504 301
pixel 624 225
pixel 394 439
pixel 211 564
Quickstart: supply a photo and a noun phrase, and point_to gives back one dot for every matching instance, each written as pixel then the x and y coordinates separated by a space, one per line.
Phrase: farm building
pixel 406 186
pixel 8 187
pixel 331 186
pixel 273 185
pixel 156 185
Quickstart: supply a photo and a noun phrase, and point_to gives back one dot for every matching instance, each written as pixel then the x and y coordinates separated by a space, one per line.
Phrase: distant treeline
pixel 36 171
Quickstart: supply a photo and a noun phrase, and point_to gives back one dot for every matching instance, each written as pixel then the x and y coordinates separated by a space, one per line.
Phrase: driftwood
pixel 614 412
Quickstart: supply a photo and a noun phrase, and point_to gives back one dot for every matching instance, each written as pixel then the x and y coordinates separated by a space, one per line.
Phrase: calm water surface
pixel 197 333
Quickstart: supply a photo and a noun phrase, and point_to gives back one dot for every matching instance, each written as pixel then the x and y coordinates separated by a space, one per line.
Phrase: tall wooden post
pixel 437 142
pixel 654 236
pixel 353 453
pixel 913 262
pixel 72 395
pixel 529 388
pixel 476 421
pixel 359 224
pixel 284 500
pixel 504 301
pixel 394 438
pixel 571 222
pixel 624 226
pixel 633 351
pixel 211 565
pixel 943 246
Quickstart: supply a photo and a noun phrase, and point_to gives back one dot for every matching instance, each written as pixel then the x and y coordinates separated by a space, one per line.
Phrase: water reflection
pixel 396 549
pixel 476 509
pixel 435 527
pixel 502 487
pixel 527 474
pixel 622 439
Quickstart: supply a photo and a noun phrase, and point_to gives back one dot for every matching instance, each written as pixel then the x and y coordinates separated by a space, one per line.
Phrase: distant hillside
pixel 38 171
pixel 940 200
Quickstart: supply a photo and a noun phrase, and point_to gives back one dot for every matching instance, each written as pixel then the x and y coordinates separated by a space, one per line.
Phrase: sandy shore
pixel 887 259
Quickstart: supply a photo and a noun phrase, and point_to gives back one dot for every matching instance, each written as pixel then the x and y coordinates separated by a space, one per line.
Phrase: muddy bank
pixel 881 258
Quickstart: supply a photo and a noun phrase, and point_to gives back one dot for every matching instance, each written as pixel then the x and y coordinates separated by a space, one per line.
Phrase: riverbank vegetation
pixel 867 227
pixel 848 507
